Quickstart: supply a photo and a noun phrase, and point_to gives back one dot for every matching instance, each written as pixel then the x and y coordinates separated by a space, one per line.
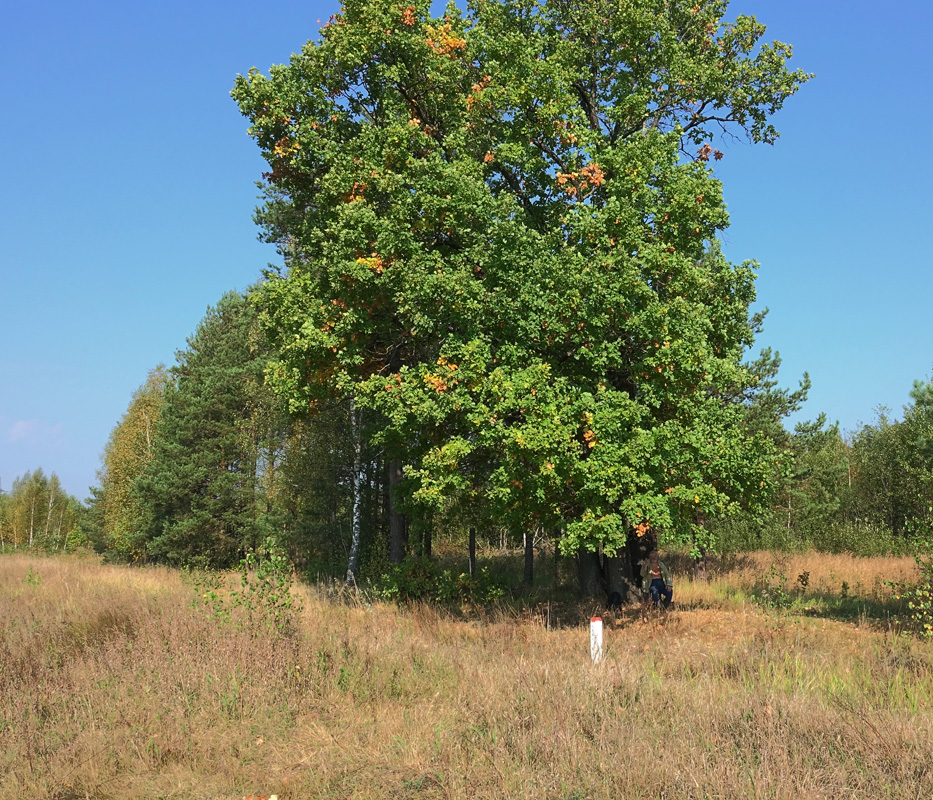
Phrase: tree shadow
pixel 876 612
pixel 714 565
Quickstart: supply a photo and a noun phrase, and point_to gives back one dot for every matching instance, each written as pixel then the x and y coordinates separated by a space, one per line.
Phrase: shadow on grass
pixel 873 611
pixel 553 601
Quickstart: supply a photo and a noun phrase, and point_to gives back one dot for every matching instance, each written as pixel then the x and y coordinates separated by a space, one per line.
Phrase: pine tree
pixel 207 493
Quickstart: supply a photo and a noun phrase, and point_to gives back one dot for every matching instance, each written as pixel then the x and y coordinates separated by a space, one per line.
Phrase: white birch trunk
pixel 58 533
pixel 357 480
pixel 48 516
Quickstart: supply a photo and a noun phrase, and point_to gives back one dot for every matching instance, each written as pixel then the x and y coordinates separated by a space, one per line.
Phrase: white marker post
pixel 596 639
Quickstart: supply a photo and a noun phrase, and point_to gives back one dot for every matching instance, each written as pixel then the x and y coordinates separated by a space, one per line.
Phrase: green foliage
pixel 499 230
pixel 266 579
pixel 37 513
pixel 424 579
pixel 858 496
pixel 264 593
pixel 119 514
pixel 316 492
pixel 745 533
pixel 918 597
pixel 893 465
pixel 210 589
pixel 207 463
pixel 207 492
pixel 771 591
pixel 815 484
pixel 32 578
pixel 862 539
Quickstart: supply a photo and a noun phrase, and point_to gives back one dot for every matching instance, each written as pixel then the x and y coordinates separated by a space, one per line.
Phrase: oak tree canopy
pixel 499 229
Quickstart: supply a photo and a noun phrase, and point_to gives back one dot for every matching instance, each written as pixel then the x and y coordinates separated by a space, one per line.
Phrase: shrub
pixel 918 597
pixel 771 590
pixel 424 579
pixel 264 593
pixel 861 539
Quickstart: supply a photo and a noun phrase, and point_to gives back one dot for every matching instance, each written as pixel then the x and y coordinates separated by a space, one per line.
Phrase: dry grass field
pixel 115 683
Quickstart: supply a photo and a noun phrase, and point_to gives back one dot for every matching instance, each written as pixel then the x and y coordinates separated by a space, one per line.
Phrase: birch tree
pixel 129 449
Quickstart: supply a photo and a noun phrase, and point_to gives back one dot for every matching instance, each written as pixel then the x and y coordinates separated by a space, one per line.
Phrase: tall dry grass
pixel 113 685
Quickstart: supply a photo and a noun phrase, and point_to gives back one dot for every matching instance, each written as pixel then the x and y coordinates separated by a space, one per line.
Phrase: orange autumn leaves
pixel 375 262
pixel 444 41
pixel 475 91
pixel 581 183
pixel 706 151
pixel 439 382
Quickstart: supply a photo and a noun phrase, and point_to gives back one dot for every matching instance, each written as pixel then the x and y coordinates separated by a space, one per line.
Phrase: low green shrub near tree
pixel 918 595
pixel 427 579
pixel 261 598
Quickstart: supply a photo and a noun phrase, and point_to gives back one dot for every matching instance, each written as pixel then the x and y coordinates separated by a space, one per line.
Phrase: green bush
pixel 744 533
pixel 771 591
pixel 861 539
pixel 424 579
pixel 264 593
pixel 918 597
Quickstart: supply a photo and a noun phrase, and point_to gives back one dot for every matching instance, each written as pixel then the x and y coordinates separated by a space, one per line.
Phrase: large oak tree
pixel 499 229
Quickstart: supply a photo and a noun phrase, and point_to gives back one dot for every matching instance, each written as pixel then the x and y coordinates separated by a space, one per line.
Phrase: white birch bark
pixel 58 534
pixel 357 482
pixel 48 516
pixel 32 517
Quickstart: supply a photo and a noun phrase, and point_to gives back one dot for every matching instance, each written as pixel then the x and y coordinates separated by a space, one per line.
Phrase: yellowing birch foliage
pixel 126 454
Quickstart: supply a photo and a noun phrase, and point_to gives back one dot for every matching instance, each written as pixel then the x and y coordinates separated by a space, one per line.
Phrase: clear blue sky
pixel 127 187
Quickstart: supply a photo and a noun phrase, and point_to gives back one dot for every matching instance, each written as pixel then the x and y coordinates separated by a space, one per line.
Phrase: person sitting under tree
pixel 656 580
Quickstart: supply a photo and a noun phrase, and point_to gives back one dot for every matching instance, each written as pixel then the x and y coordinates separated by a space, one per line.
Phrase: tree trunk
pixel 397 521
pixel 58 533
pixel 618 571
pixel 699 560
pixel 472 552
pixel 529 575
pixel 555 561
pixel 426 541
pixel 48 516
pixel 357 479
pixel 32 517
pixel 638 549
pixel 589 573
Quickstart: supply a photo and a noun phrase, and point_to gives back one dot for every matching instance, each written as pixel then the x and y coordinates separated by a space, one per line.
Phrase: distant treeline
pixel 38 513
pixel 502 312
pixel 866 493
pixel 207 463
